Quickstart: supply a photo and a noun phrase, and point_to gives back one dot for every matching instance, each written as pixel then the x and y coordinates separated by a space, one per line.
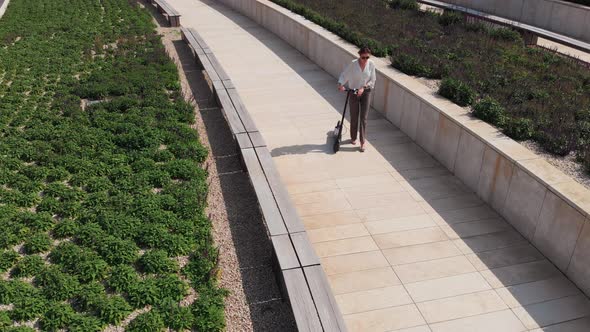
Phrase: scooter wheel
pixel 336 146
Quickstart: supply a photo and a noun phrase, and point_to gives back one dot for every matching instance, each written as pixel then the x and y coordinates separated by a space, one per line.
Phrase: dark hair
pixel 365 49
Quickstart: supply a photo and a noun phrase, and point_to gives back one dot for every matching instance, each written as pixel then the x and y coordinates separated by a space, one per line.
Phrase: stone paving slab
pixel 404 244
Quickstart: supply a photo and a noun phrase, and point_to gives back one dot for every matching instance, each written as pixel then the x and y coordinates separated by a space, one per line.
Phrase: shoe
pixel 362 148
pixel 353 142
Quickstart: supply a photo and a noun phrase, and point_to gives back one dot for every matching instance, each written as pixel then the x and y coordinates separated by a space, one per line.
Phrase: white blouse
pixel 356 78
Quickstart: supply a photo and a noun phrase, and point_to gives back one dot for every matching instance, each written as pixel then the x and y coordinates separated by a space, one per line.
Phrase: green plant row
pixel 99 204
pixel 543 96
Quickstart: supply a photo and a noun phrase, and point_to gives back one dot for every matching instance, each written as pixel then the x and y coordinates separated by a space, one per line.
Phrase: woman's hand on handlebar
pixel 341 87
pixel 360 91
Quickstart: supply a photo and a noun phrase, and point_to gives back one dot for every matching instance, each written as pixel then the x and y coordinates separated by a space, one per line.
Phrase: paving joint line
pixel 256 267
pixel 274 299
pixel 230 173
pixel 226 156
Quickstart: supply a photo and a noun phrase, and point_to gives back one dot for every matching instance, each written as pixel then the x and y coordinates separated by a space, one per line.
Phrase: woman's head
pixel 364 54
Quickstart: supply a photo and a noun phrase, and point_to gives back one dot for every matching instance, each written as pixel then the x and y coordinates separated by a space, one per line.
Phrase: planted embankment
pixel 545 205
pixel 529 93
pixel 102 192
pixel 570 17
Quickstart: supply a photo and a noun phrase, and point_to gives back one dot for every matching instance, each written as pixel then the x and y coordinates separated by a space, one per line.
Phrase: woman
pixel 359 75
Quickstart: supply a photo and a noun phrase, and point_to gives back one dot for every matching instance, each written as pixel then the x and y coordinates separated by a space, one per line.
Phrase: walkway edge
pixel 3 7
pixel 297 267
pixel 545 205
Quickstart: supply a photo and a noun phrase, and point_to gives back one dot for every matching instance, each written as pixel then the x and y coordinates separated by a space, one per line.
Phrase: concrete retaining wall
pixel 545 205
pixel 562 17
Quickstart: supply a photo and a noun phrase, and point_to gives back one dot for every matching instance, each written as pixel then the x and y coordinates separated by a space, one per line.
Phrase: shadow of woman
pixel 325 148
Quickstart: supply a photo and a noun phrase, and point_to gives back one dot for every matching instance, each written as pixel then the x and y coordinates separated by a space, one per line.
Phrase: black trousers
pixel 359 108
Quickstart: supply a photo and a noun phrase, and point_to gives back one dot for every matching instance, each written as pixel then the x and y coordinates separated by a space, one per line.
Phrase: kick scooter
pixel 340 124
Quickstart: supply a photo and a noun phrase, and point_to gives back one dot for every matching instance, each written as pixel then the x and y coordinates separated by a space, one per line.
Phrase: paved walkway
pixel 406 246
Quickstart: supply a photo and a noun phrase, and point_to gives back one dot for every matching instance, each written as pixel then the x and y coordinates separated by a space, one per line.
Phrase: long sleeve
pixel 344 76
pixel 373 79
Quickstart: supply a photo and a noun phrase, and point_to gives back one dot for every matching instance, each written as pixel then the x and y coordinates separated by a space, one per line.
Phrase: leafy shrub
pixel 519 128
pixel 177 317
pixel 208 310
pixel 178 245
pixel 38 221
pixel 147 322
pixel 29 266
pixel 85 323
pixel 490 111
pixel 56 285
pixel 89 296
pixel 584 157
pixel 86 265
pixel 90 235
pixel 163 156
pixel 195 151
pixel 135 138
pixel 66 228
pixel 37 243
pixel 57 174
pixel 505 34
pixel 21 328
pixel 583 129
pixel 410 65
pixel 556 145
pixel 172 288
pixel 200 268
pixel 143 293
pixel 10 238
pixel 457 91
pixel 112 310
pixel 49 205
pixel 5 320
pixel 117 251
pixel 120 225
pixel 122 278
pixel 28 308
pixel 7 259
pixel 157 261
pixel 449 17
pixel 65 253
pixel 187 208
pixel 89 267
pixel 191 227
pixel 97 184
pixel 150 235
pixel 404 4
pixel 183 169
pixel 57 316
pixel 15 291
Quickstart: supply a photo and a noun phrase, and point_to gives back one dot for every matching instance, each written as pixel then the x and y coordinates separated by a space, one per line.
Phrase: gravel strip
pixel 236 311
pixel 255 302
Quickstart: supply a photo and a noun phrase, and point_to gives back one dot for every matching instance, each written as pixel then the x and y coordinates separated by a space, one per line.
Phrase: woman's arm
pixel 344 76
pixel 373 79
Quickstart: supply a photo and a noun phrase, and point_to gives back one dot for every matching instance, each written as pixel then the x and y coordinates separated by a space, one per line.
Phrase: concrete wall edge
pixel 3 7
